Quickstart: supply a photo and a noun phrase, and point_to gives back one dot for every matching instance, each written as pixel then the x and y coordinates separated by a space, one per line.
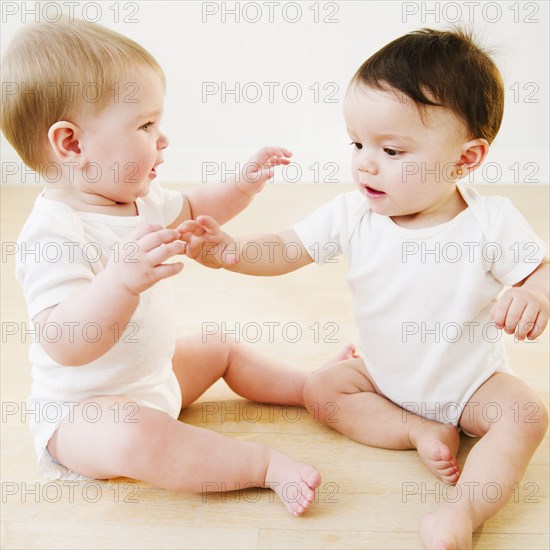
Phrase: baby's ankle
pixel 264 461
pixel 415 427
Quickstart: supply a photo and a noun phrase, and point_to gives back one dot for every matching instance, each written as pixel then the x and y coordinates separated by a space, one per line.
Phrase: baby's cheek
pixel 354 173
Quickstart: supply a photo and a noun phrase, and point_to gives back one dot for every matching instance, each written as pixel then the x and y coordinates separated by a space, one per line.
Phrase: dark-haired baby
pixel 428 259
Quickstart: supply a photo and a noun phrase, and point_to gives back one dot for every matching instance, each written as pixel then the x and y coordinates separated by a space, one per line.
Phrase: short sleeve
pixel 514 249
pixel 161 205
pixel 52 264
pixel 324 233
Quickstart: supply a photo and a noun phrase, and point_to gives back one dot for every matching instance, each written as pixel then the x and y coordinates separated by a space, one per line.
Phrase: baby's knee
pixel 538 419
pixel 224 344
pixel 528 416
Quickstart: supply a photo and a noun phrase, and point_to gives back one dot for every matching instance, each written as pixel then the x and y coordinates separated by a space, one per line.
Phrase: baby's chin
pixel 142 191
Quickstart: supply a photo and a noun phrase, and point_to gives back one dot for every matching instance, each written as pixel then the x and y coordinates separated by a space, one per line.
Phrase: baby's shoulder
pixel 489 202
pixel 50 219
pixel 487 209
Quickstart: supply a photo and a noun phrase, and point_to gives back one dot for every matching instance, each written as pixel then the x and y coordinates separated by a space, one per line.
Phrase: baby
pixel 105 354
pixel 427 259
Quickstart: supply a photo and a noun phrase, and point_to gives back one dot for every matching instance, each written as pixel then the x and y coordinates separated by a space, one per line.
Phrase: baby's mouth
pixel 371 192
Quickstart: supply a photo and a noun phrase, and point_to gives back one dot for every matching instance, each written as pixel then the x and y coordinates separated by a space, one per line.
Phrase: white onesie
pixel 60 252
pixel 422 297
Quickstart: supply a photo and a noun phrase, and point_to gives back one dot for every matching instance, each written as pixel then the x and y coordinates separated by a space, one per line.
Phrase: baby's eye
pixel 391 152
pixel 357 145
pixel 146 126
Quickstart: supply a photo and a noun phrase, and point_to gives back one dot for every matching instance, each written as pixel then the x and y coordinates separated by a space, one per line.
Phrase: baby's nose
pixel 163 142
pixel 366 162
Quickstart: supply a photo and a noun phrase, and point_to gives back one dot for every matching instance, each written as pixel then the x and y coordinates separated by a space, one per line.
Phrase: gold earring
pixel 459 172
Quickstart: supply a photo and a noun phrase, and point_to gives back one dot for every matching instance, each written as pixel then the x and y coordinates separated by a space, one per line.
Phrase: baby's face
pixel 124 144
pixel 402 164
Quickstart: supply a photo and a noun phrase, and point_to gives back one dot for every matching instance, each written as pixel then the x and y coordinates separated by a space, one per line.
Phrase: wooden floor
pixel 369 498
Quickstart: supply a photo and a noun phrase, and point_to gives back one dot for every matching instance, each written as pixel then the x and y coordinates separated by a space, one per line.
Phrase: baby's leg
pixel 248 372
pixel 343 396
pixel 511 421
pixel 153 447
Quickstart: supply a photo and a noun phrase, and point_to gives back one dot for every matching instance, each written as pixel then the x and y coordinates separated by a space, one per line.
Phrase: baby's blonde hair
pixel 52 71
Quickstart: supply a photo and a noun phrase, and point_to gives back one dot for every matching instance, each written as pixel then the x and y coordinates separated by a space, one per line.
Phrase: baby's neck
pixel 89 202
pixel 453 206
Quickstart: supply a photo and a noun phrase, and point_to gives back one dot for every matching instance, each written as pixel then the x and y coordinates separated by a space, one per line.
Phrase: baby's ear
pixel 473 154
pixel 63 137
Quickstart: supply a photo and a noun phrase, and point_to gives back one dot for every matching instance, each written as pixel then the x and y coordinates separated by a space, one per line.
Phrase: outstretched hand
pixel 207 244
pixel 138 263
pixel 259 168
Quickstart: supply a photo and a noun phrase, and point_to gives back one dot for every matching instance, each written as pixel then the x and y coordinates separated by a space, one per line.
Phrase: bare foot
pixel 349 352
pixel 294 482
pixel 446 528
pixel 437 445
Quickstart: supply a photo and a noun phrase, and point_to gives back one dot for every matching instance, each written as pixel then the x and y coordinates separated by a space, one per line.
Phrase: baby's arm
pixel 224 200
pixel 111 298
pixel 267 254
pixel 525 305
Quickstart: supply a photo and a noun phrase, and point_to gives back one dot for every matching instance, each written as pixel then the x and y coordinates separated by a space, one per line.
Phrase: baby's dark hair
pixel 442 68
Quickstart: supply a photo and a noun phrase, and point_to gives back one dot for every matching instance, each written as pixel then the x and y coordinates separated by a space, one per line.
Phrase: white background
pixel 312 48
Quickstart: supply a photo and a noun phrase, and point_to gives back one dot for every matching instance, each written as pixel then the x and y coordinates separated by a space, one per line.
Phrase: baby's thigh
pixel 102 436
pixel 504 402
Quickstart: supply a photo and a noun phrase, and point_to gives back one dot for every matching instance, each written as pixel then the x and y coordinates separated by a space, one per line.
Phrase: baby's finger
pixel 143 229
pixel 513 315
pixel 527 320
pixel 157 238
pixel 197 249
pixel 538 326
pixel 198 232
pixel 188 226
pixel 276 161
pixel 164 271
pixel 162 253
pixel 283 160
pixel 266 153
pixel 211 226
pixel 192 248
pixel 499 310
pixel 279 152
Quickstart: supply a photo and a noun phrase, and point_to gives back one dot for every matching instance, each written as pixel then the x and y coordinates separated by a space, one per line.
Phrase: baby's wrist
pixel 119 286
pixel 245 189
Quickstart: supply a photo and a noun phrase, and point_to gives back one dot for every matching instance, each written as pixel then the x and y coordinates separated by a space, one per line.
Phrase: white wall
pixel 202 42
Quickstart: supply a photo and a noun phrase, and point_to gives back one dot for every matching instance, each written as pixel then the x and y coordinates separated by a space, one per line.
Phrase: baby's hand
pixel 207 243
pixel 259 168
pixel 138 264
pixel 523 309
